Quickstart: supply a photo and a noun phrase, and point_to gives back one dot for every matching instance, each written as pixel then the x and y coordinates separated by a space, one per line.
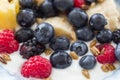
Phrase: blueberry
pixel 78 17
pixel 63 5
pixel 97 21
pixel 79 47
pixel 27 4
pixel 44 33
pixel 60 60
pixel 46 9
pixel 116 36
pixel 60 43
pixel 87 62
pixel 89 2
pixel 26 18
pixel 31 48
pixel 117 52
pixel 104 36
pixel 85 34
pixel 23 34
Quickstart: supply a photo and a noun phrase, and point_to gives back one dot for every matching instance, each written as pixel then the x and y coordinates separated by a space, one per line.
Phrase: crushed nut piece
pixel 39 2
pixel 39 20
pixel 93 43
pixel 86 74
pixel 93 5
pixel 48 51
pixel 95 51
pixel 100 1
pixel 108 67
pixel 85 7
pixel 3 60
pixel 74 55
pixel 102 51
pixel 6 57
pixel 49 78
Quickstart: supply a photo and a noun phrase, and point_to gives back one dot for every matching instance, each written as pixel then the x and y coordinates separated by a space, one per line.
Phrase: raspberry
pixel 79 3
pixel 8 44
pixel 37 67
pixel 108 55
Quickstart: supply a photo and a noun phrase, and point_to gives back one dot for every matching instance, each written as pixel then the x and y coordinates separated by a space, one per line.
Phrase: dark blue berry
pixel 63 5
pixel 89 2
pixel 116 36
pixel 87 62
pixel 79 47
pixel 60 60
pixel 27 4
pixel 85 34
pixel 26 18
pixel 46 9
pixel 24 34
pixel 104 36
pixel 60 43
pixel 31 48
pixel 78 17
pixel 44 33
pixel 97 21
pixel 117 52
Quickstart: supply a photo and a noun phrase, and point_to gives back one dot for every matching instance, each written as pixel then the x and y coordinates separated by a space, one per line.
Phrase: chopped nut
pixel 48 51
pixel 100 1
pixel 95 51
pixel 74 55
pixel 108 67
pixel 86 74
pixel 93 5
pixel 85 7
pixel 6 57
pixel 102 51
pixel 39 2
pixel 49 78
pixel 39 20
pixel 2 60
pixel 93 43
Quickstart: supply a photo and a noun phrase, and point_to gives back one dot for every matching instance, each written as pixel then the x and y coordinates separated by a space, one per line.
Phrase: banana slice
pixel 62 27
pixel 109 9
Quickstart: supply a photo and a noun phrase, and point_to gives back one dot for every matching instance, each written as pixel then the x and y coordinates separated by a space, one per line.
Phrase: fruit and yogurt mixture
pixel 52 35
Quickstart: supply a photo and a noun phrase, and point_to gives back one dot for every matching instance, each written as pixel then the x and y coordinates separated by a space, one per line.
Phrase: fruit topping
pixel 78 17
pixel 85 34
pixel 31 48
pixel 27 4
pixel 104 36
pixel 24 34
pixel 97 21
pixel 87 62
pixel 107 53
pixel 8 44
pixel 8 12
pixel 116 36
pixel 60 43
pixel 36 67
pixel 46 9
pixel 79 47
pixel 79 3
pixel 63 5
pixel 117 52
pixel 26 18
pixel 60 59
pixel 44 33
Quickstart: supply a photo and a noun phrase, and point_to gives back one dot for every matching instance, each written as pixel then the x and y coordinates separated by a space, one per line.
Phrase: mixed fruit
pixel 35 41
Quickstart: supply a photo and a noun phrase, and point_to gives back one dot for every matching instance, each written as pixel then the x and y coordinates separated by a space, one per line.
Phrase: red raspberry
pixel 108 55
pixel 37 67
pixel 79 3
pixel 8 44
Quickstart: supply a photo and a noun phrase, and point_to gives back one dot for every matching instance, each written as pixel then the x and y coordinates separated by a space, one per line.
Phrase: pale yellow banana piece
pixel 62 27
pixel 109 9
pixel 8 12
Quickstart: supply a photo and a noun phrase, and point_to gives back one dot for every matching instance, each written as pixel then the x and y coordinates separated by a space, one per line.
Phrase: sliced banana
pixel 109 9
pixel 62 27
